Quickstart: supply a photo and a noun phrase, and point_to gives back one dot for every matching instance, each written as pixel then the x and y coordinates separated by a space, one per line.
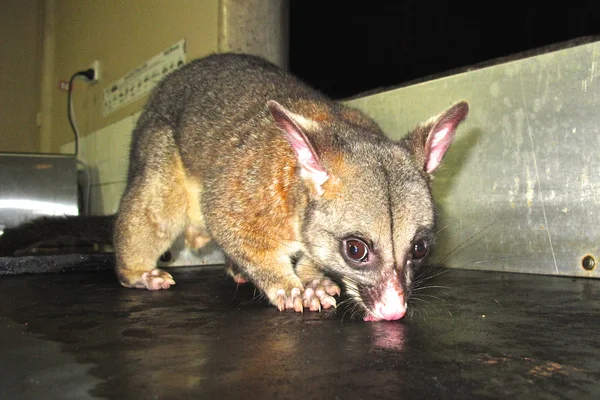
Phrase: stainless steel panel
pixel 519 189
pixel 33 185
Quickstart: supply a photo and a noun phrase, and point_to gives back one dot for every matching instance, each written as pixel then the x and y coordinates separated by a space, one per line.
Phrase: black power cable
pixel 89 75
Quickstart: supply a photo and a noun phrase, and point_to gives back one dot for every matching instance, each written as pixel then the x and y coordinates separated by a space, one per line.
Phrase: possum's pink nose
pixel 391 307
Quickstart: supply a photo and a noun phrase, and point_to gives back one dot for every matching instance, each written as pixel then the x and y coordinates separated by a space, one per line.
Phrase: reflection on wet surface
pixel 488 335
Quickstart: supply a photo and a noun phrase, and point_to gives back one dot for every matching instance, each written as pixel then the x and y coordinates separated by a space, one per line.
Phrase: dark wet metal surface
pixel 489 335
pixel 57 263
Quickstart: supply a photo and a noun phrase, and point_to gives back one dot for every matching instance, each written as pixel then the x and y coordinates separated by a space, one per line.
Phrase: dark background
pixel 347 47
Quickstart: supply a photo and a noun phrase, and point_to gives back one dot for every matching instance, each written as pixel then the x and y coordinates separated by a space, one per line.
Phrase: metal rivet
pixel 588 263
pixel 166 256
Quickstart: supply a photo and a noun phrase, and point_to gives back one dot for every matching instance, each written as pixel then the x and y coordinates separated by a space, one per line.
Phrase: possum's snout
pixel 390 306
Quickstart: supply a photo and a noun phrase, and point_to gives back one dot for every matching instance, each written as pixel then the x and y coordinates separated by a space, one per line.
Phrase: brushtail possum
pixel 301 193
pixel 304 195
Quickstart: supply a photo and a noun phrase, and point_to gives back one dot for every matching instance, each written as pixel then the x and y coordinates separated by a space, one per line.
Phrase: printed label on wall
pixel 142 79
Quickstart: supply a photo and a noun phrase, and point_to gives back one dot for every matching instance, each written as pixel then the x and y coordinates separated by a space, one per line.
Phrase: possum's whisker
pixel 428 303
pixel 435 270
pixel 437 310
pixel 342 306
pixel 421 310
pixel 430 287
pixel 441 230
pixel 258 295
pixel 429 295
pixel 411 312
pixel 428 275
pixel 328 313
pixel 468 242
pixel 424 278
pixel 418 299
pixel 421 276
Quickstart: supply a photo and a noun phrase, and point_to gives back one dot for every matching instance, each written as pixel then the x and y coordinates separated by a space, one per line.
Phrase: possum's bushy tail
pixel 57 232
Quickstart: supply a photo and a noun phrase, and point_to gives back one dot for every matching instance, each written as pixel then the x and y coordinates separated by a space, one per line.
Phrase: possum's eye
pixel 420 249
pixel 356 250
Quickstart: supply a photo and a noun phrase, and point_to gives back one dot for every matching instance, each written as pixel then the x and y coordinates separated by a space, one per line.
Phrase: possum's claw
pixel 311 301
pixel 156 279
pixel 293 300
pixel 316 300
pixel 326 300
pixel 317 295
pixel 322 291
pixel 330 287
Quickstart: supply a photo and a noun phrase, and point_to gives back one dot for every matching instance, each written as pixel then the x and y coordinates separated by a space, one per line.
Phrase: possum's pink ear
pixel 429 142
pixel 293 126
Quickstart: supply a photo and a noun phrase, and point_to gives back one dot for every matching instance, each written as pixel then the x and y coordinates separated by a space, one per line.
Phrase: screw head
pixel 588 263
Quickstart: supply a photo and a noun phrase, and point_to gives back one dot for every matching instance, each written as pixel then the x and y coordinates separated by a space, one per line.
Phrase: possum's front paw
pixel 319 294
pixel 291 299
pixel 155 279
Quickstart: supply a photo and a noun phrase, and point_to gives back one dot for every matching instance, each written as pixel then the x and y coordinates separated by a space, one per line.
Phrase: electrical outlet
pixel 96 67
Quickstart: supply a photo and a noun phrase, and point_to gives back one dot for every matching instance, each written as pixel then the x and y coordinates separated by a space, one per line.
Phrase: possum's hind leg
pixel 235 272
pixel 153 210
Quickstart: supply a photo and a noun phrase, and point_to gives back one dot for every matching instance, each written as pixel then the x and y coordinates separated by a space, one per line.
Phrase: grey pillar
pixel 258 27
